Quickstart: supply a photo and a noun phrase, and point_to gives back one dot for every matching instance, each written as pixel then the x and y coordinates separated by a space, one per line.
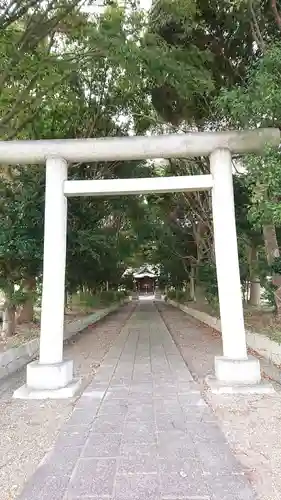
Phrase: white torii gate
pixel 51 376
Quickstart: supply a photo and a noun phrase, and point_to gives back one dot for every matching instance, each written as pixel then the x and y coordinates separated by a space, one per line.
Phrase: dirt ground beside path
pixel 252 424
pixel 28 429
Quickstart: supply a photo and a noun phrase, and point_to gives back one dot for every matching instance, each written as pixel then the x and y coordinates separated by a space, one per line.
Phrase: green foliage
pixel 30 68
pixel 269 293
pixel 226 37
pixel 208 279
pixel 69 74
pixel 258 103
pixel 181 296
pixel 107 296
pixel 21 232
pixel 96 300
pixel 264 177
pixel 84 86
pixel 276 265
pixel 121 294
pixel 128 282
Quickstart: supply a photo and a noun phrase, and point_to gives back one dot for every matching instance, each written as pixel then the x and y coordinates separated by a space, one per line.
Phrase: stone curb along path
pixel 16 358
pixel 265 347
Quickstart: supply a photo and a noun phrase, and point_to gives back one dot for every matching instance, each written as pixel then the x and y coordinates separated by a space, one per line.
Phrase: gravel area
pixel 251 424
pixel 29 429
pixel 29 331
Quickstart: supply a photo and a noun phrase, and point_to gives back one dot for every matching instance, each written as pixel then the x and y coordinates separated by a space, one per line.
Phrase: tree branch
pixel 256 32
pixel 276 13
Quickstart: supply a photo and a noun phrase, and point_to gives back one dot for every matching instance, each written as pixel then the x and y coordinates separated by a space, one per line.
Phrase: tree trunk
pixel 9 321
pixel 255 288
pixel 192 284
pixel 26 312
pixel 272 252
pixel 271 244
pixel 255 293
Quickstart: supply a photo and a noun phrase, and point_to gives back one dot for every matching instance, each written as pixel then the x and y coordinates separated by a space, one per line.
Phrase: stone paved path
pixel 141 430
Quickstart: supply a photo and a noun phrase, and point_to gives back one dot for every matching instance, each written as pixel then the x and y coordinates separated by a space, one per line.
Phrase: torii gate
pixel 51 376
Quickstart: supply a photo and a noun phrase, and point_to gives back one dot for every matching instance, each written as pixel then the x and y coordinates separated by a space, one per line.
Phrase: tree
pixel 218 42
pixel 21 236
pixel 238 42
pixel 29 35
pixel 257 103
pixel 100 74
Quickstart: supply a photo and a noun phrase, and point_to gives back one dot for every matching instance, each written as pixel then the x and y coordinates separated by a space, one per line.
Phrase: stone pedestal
pixel 46 381
pixel 238 376
pixel 237 371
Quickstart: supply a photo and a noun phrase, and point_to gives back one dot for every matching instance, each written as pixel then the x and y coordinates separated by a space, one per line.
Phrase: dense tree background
pixel 74 68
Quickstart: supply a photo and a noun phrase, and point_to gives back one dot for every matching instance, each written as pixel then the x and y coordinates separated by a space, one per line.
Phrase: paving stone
pixel 120 381
pixel 129 449
pixel 138 463
pixel 113 395
pixel 182 484
pixel 88 401
pixel 61 461
pixel 82 417
pixel 53 488
pixel 143 411
pixel 139 426
pixel 109 423
pixel 117 391
pixel 187 387
pixel 139 438
pixel 72 436
pixel 198 414
pixel 206 432
pixel 115 406
pixel 50 480
pixel 175 444
pixel 163 390
pixel 135 399
pixel 170 422
pixel 192 400
pixel 93 477
pixel 189 497
pixel 141 388
pixel 137 487
pixel 170 405
pixel 143 379
pixel 217 458
pixel 68 496
pixel 93 387
pixel 230 487
pixel 184 467
pixel 141 430
pixel 102 445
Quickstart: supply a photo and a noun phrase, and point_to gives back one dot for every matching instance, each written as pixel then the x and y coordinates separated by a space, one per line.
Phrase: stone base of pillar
pixel 237 371
pixel 237 376
pixel 218 387
pixel 48 381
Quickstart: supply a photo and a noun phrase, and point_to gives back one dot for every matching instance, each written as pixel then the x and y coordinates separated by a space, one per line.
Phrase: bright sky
pixel 146 4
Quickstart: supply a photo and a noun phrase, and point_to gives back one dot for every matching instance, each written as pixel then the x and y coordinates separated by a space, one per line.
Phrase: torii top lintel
pixel 192 144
